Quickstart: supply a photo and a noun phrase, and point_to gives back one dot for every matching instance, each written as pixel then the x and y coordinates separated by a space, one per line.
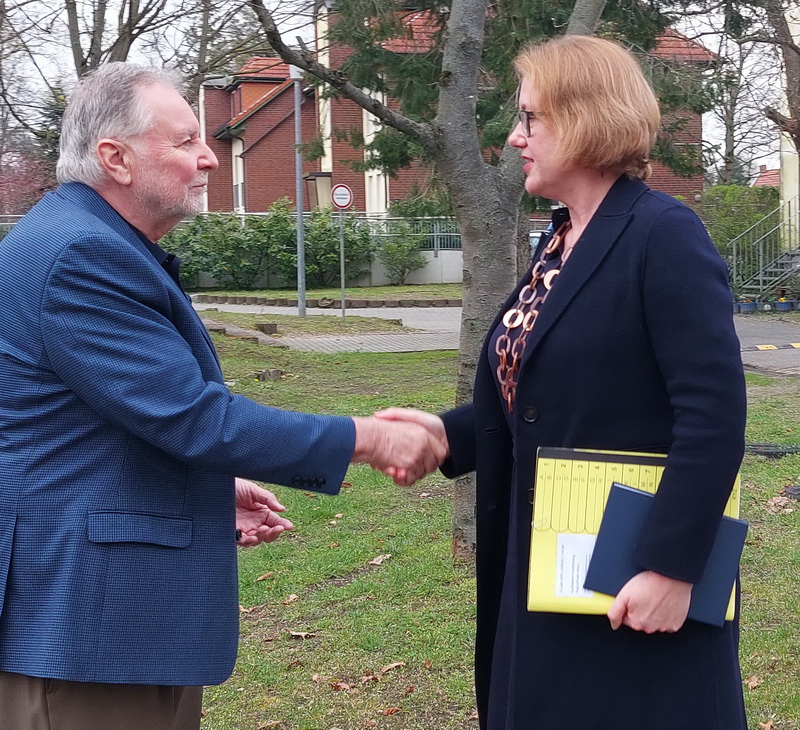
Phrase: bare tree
pixel 743 84
pixel 217 39
pixel 788 123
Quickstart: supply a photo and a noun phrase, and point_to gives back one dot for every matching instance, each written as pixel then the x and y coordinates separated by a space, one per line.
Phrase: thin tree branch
pixel 305 60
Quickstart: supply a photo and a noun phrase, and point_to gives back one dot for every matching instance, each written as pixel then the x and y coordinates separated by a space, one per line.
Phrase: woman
pixel 620 337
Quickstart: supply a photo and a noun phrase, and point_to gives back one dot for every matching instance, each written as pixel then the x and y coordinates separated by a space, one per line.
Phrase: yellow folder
pixel 570 493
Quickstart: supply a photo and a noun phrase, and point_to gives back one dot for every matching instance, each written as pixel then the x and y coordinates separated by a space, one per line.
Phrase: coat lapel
pixel 604 230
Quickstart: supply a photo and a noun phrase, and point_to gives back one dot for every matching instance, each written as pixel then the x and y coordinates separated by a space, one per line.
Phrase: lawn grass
pixel 770 644
pixel 409 291
pixel 320 622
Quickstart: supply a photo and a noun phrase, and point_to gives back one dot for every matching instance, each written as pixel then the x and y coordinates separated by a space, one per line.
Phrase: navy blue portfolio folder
pixel 612 565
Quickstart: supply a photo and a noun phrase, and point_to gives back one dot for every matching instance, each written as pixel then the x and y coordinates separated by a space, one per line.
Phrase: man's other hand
pixel 256 514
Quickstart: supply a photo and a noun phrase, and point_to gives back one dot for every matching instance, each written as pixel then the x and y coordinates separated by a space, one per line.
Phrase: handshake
pixel 403 443
pixel 400 442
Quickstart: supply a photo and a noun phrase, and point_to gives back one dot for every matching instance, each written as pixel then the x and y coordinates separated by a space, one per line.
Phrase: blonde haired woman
pixel 619 337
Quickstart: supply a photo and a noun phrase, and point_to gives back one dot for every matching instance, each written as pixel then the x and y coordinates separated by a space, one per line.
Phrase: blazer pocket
pixel 175 532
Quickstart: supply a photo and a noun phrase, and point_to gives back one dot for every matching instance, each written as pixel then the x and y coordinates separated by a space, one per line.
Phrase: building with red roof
pixel 767 178
pixel 248 119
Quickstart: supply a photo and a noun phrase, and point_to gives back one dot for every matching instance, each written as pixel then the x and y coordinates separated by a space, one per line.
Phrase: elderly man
pixel 119 441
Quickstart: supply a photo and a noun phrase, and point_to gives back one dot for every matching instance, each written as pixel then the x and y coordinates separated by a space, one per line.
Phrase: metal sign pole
pixel 341 256
pixel 297 75
pixel 341 197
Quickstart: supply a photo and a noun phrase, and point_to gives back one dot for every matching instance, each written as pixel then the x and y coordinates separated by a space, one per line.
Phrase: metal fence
pixel 7 222
pixel 760 258
pixel 436 233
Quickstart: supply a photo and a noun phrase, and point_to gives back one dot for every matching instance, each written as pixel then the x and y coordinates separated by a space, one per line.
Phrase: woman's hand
pixel 651 602
pixel 256 514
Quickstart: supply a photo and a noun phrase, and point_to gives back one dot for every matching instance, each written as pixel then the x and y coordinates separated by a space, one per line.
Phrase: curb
pixel 324 303
pixel 767 348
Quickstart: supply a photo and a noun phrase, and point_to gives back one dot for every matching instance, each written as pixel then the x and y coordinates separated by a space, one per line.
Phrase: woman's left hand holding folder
pixel 651 602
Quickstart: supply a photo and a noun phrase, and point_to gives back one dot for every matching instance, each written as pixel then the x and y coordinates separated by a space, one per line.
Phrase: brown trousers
pixel 32 703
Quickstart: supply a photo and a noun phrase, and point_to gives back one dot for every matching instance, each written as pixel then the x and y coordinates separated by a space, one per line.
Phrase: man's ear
pixel 115 159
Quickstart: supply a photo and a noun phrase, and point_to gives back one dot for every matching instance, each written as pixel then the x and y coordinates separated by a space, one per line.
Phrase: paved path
pixel 769 345
pixel 439 328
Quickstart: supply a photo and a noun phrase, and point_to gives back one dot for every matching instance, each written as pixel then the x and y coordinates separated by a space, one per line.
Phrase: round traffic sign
pixel 341 196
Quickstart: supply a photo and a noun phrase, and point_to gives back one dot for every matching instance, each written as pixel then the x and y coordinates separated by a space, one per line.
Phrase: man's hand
pixel 256 514
pixel 401 449
pixel 651 602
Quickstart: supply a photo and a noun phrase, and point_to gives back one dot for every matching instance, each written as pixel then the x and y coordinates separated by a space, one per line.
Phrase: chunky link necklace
pixel 524 314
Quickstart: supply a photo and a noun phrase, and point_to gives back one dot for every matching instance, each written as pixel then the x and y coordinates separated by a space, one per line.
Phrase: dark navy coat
pixel 634 350
pixel 119 443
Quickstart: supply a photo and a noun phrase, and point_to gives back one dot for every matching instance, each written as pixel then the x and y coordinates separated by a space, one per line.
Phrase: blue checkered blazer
pixel 118 446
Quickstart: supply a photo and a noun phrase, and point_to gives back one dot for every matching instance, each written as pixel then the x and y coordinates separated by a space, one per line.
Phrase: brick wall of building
pixel 665 180
pixel 217 111
pixel 347 116
pixel 269 153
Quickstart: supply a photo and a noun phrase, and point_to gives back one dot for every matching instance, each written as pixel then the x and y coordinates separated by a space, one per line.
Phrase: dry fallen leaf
pixel 368 677
pixel 346 484
pixel 334 544
pixel 753 681
pixel 291 599
pixel 473 716
pixel 242 609
pixel 316 678
pixel 389 667
pixel 370 723
pixel 340 686
pixel 410 689
pixel 780 505
pixel 269 638
pixel 765 725
pixel 339 516
pixel 428 664
pixel 379 560
pixel 309 495
pixel 425 495
pixel 333 522
pixel 390 711
pixel 264 577
pixel 301 634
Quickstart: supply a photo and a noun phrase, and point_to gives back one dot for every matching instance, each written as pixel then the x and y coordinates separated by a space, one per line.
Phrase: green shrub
pixel 400 252
pixel 219 244
pixel 238 250
pixel 727 210
pixel 321 237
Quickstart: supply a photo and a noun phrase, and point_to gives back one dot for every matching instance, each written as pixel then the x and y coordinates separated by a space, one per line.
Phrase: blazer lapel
pixel 90 200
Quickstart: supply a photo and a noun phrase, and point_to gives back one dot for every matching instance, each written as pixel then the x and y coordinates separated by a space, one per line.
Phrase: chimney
pixel 762 169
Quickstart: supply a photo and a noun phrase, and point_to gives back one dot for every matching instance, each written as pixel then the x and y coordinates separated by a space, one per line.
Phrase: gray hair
pixel 105 103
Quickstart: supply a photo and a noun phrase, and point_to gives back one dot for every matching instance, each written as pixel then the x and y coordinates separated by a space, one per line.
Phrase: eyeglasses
pixel 525 119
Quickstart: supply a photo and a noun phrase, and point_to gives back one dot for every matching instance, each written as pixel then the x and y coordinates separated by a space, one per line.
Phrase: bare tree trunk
pixel 585 16
pixel 486 198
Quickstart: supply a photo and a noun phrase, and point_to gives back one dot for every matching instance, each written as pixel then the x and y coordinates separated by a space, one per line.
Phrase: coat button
pixel 530 415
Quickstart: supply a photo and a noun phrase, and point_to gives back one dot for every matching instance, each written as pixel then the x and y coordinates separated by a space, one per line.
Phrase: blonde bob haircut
pixel 593 95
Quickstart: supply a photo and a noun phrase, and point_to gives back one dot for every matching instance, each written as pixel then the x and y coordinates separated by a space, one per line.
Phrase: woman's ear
pixel 115 159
